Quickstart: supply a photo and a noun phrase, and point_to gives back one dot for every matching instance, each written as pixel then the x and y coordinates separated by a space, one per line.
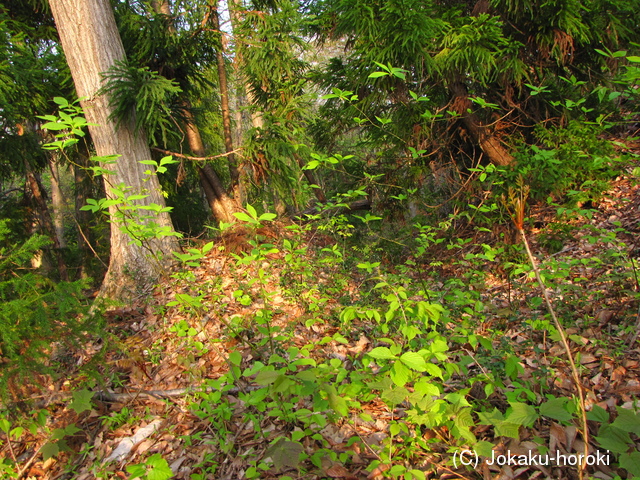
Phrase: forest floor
pixel 159 392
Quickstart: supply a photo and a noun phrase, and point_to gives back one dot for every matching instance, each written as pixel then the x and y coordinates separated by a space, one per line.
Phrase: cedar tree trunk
pixel 92 45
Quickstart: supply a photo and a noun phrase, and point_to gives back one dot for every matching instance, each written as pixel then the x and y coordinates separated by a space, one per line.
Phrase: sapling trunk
pixel 518 202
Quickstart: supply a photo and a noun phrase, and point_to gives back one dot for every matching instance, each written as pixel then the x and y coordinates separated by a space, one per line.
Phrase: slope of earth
pixel 277 354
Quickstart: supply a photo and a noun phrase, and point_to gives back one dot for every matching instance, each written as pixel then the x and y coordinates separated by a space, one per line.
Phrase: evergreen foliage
pixel 146 98
pixel 37 315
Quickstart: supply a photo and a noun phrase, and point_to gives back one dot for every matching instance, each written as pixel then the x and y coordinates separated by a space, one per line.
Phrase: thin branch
pixel 197 159
pixel 565 343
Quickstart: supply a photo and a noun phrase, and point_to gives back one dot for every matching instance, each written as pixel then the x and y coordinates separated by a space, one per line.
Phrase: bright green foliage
pixel 145 97
pixel 136 220
pixel 38 318
pixel 154 468
pixel 481 49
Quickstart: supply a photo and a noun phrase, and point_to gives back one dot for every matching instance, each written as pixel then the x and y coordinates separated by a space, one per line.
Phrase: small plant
pixel 123 207
pixel 153 468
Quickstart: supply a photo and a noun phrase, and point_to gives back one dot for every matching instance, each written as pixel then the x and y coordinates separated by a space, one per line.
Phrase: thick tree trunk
pixel 481 134
pixel 92 45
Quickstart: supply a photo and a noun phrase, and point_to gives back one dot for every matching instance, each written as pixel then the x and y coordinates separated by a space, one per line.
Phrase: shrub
pixel 35 312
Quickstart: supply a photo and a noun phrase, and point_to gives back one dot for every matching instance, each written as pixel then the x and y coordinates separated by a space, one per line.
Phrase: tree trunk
pixel 224 104
pixel 92 45
pixel 45 217
pixel 82 182
pixel 481 134
pixel 57 201
pixel 222 206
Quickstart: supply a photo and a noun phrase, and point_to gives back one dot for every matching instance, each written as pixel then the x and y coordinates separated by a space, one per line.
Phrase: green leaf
pixel 137 471
pixel 312 165
pixel 417 474
pixel 158 468
pixel 243 217
pixel 426 388
pixel 168 160
pixel 378 74
pixel 71 429
pixel 414 361
pixel 596 414
pixel 267 377
pixel 336 402
pixel 556 409
pixel 252 212
pixel 614 439
pixel 235 358
pixel 522 414
pixel 267 217
pixel 399 374
pixel 55 126
pixel 631 462
pixel 507 429
pixel 463 418
pixel 627 421
pixel 49 450
pixel 81 400
pixel 310 375
pixel 484 448
pixel 17 432
pixel 433 370
pixel 633 58
pixel 513 367
pixel 284 453
pixel 490 418
pixel 136 197
pixel 381 353
pixel 395 395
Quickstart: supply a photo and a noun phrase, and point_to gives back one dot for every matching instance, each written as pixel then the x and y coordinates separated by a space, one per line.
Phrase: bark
pixel 57 201
pixel 222 206
pixel 82 182
pixel 234 12
pixel 224 104
pixel 92 45
pixel 481 134
pixel 45 217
